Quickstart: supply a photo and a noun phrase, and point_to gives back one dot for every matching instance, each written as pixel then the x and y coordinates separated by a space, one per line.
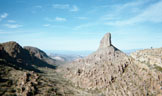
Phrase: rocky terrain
pixel 110 72
pixel 28 83
pixel 28 71
pixel 22 72
pixel 150 58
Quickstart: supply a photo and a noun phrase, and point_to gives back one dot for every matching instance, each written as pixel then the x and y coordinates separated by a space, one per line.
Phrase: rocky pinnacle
pixel 106 41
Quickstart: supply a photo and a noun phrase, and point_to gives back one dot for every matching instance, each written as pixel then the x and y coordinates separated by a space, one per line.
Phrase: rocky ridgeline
pixel 15 50
pixel 151 57
pixel 12 54
pixel 40 54
pixel 110 72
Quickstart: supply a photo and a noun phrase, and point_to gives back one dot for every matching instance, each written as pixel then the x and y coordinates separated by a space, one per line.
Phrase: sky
pixel 80 24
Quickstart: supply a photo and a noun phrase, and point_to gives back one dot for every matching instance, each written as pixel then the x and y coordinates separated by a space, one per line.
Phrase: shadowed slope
pixel 12 54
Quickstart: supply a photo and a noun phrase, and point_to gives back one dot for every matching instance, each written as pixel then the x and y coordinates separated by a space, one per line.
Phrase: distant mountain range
pixel 67 56
pixel 69 52
pixel 129 51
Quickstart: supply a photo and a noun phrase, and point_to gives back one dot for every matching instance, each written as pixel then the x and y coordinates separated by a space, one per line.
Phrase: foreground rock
pixel 110 72
pixel 27 83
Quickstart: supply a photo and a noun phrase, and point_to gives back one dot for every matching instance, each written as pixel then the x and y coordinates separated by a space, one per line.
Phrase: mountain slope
pixel 110 72
pixel 151 57
pixel 12 54
pixel 40 54
pixel 17 76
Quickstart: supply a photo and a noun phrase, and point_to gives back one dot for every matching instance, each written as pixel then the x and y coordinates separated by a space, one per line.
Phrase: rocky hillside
pixel 107 56
pixel 17 76
pixel 110 72
pixel 15 82
pixel 151 58
pixel 39 54
pixel 12 54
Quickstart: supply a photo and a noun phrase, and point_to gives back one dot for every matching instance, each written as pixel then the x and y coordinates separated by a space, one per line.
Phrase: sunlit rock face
pixel 152 57
pixel 106 41
pixel 101 68
pixel 111 72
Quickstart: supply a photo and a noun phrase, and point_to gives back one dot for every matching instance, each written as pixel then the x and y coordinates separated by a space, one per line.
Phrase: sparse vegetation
pixel 158 68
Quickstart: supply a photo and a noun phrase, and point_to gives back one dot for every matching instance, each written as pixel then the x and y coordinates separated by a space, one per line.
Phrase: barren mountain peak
pixel 106 41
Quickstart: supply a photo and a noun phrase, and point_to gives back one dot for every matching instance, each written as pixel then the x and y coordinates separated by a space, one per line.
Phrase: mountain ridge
pixel 17 56
pixel 108 71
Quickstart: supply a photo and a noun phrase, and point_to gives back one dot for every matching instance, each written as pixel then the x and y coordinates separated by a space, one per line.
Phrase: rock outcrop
pixel 110 72
pixel 106 41
pixel 101 68
pixel 26 85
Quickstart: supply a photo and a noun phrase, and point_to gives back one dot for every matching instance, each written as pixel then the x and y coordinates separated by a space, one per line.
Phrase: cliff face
pixel 109 71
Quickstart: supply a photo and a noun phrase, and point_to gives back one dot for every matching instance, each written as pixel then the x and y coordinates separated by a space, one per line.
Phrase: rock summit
pixel 106 41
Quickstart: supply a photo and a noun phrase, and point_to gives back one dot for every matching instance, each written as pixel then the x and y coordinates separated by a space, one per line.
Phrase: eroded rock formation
pixel 106 41
pixel 111 72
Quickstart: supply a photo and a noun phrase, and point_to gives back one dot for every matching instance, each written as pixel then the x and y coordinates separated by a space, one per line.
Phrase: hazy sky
pixel 80 24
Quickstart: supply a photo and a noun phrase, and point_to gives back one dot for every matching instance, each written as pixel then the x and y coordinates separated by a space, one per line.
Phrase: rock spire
pixel 106 41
